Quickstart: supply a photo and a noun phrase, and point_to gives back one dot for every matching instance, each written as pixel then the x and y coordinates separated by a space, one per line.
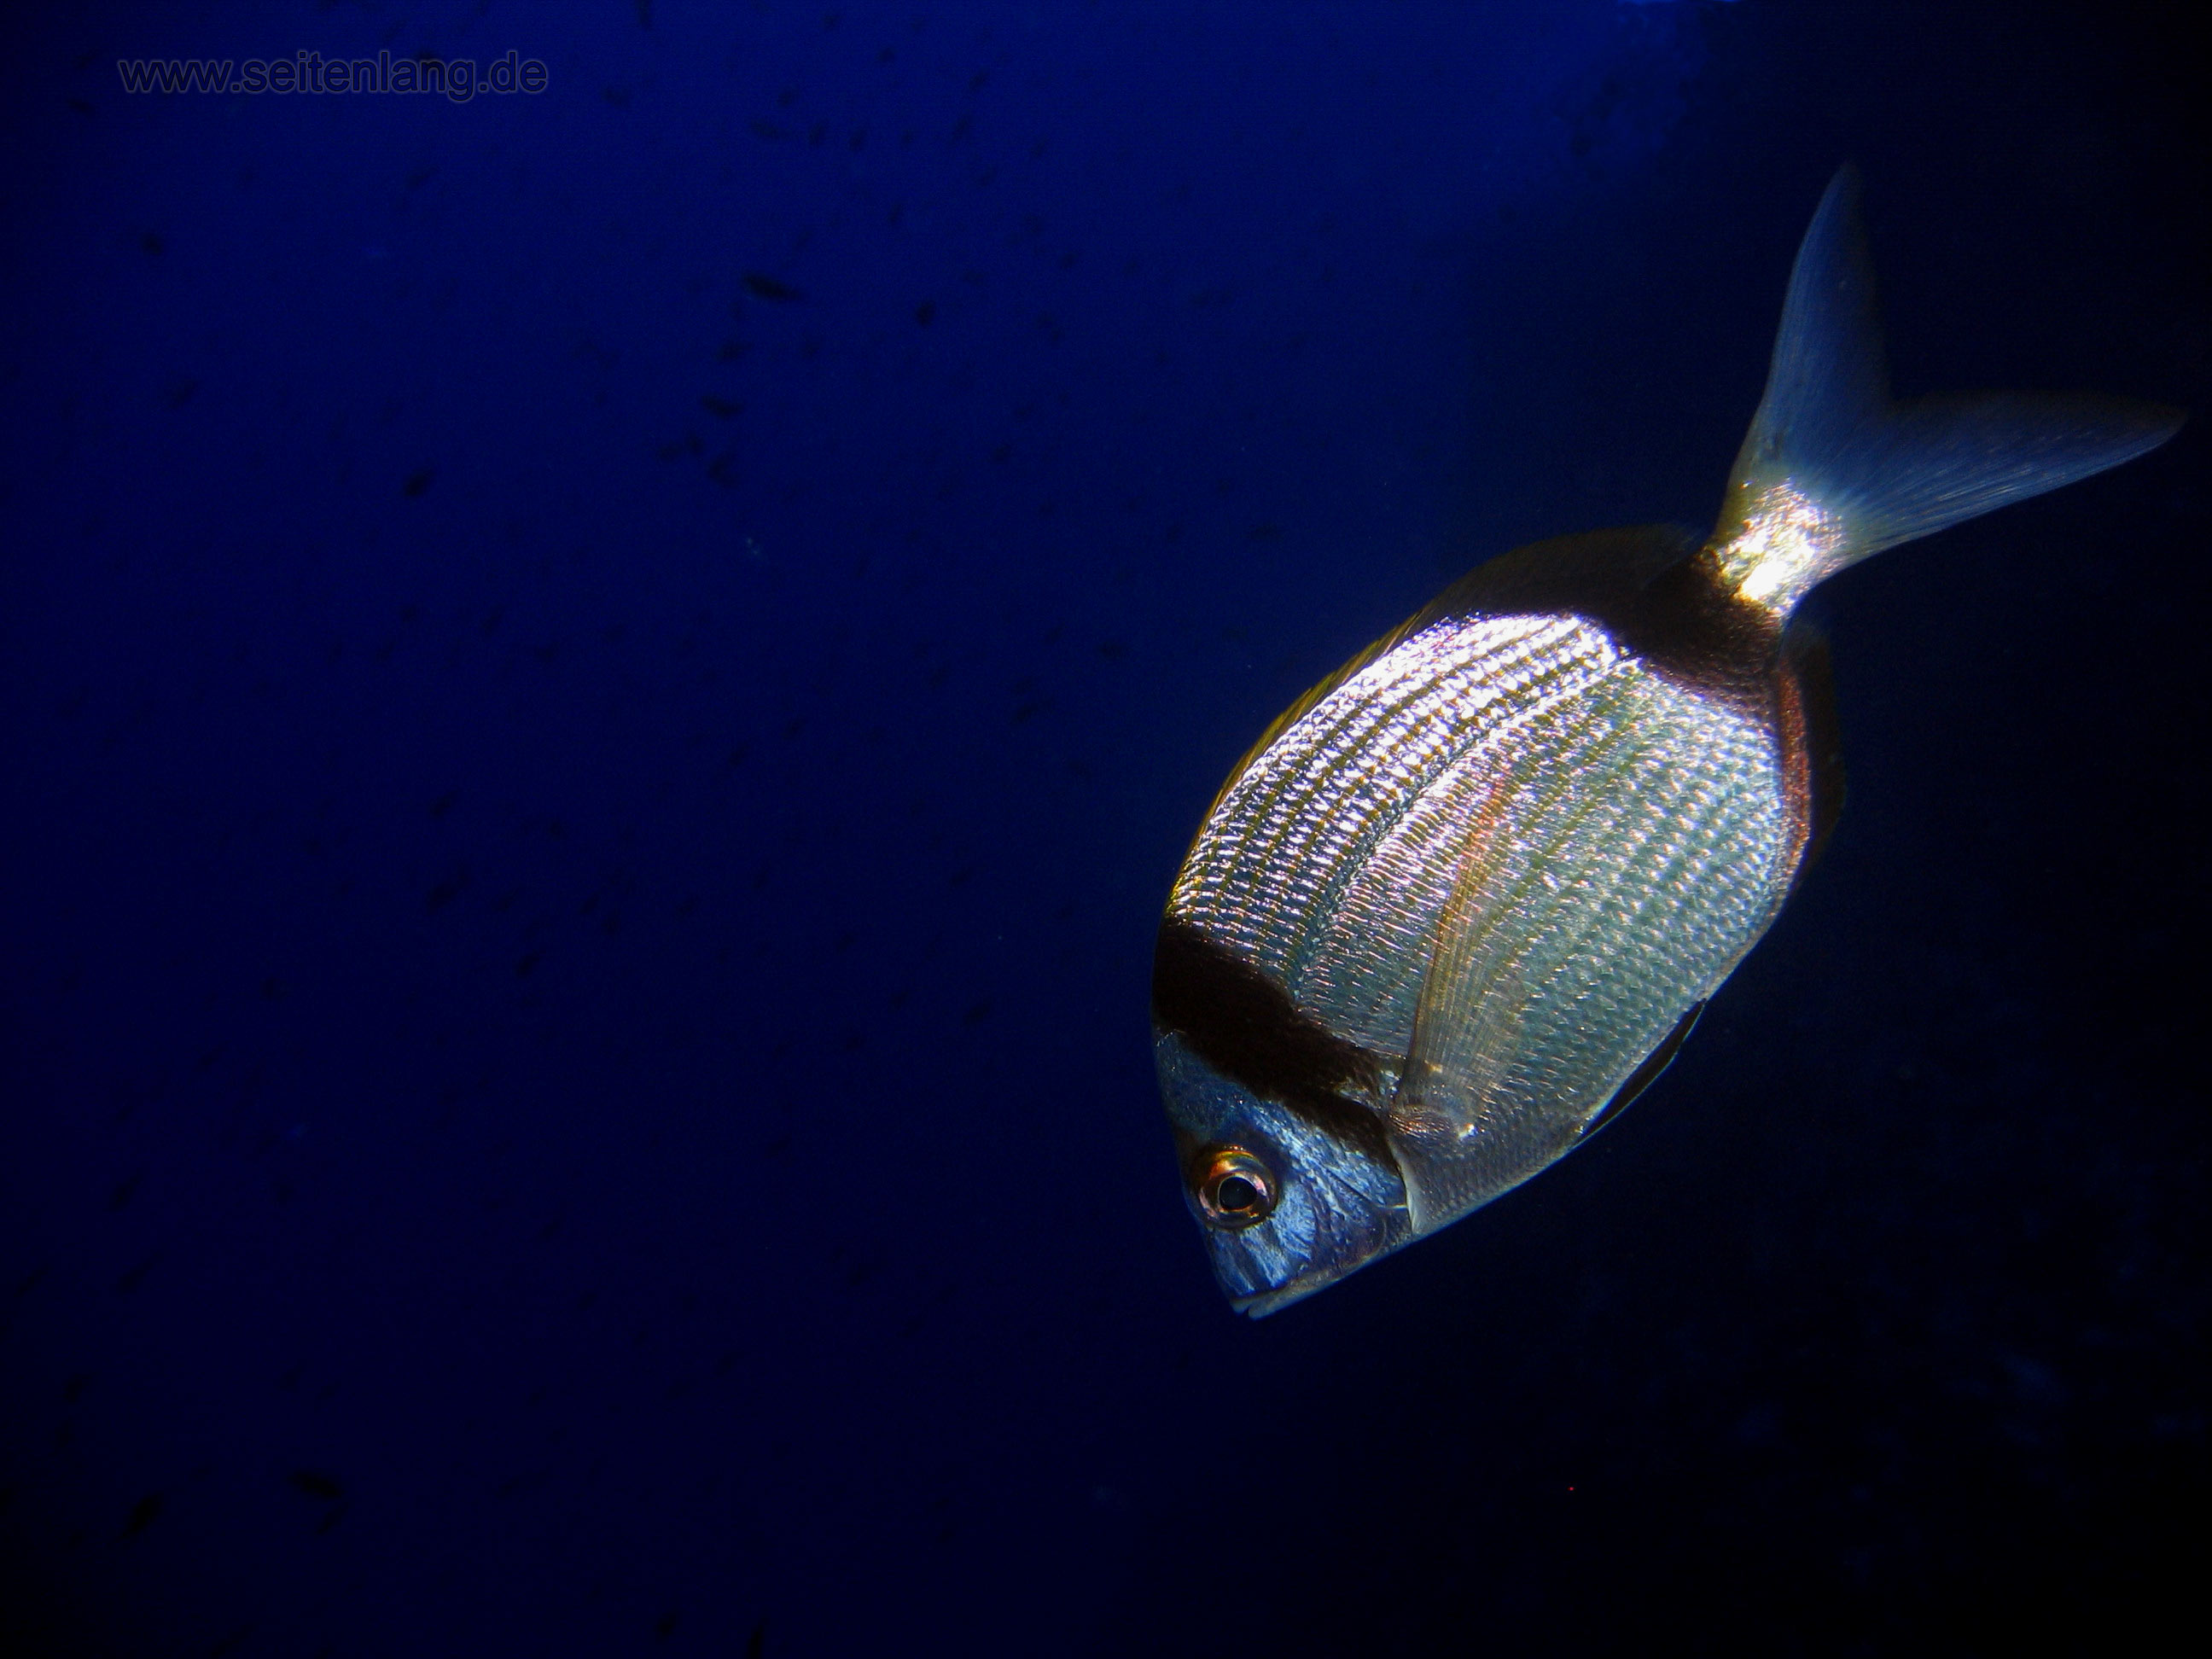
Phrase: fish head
pixel 1290 1198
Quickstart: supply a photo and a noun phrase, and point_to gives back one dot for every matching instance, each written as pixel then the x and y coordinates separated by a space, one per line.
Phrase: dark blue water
pixel 601 689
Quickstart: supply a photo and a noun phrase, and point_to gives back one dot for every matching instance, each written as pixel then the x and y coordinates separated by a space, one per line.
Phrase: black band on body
pixel 1245 1026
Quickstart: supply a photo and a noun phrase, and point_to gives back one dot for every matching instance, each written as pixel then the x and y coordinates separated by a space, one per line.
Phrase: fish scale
pixel 1597 925
pixel 1365 949
pixel 1575 854
pixel 1304 811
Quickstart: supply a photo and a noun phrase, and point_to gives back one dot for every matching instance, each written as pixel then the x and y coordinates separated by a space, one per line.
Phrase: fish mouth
pixel 1251 1293
pixel 1260 1304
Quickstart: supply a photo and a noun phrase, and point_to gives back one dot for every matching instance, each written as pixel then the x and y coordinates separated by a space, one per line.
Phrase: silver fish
pixel 1468 895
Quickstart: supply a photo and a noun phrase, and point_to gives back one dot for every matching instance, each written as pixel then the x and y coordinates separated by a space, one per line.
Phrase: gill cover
pixel 1331 1205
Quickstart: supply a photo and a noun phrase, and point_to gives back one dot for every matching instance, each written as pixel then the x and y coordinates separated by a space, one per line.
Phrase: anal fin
pixel 1647 1073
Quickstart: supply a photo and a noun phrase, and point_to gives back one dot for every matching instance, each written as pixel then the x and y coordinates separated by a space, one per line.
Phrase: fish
pixel 1467 897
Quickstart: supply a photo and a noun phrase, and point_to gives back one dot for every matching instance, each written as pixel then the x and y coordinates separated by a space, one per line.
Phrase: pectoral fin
pixel 1471 1003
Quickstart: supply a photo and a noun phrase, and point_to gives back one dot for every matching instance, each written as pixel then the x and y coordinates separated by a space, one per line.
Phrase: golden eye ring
pixel 1235 1190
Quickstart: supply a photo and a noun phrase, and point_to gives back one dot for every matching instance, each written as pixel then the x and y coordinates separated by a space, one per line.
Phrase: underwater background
pixel 599 689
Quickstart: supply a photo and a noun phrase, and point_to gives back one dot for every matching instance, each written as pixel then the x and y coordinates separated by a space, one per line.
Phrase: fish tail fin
pixel 1832 471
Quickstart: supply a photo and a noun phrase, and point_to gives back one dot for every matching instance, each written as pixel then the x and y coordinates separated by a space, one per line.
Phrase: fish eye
pixel 1236 1190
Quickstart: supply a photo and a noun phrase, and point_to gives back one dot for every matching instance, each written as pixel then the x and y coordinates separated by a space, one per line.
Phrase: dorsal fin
pixel 1805 648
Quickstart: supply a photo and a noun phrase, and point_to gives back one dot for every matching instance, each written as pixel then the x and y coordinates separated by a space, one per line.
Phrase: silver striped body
pixel 1631 840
